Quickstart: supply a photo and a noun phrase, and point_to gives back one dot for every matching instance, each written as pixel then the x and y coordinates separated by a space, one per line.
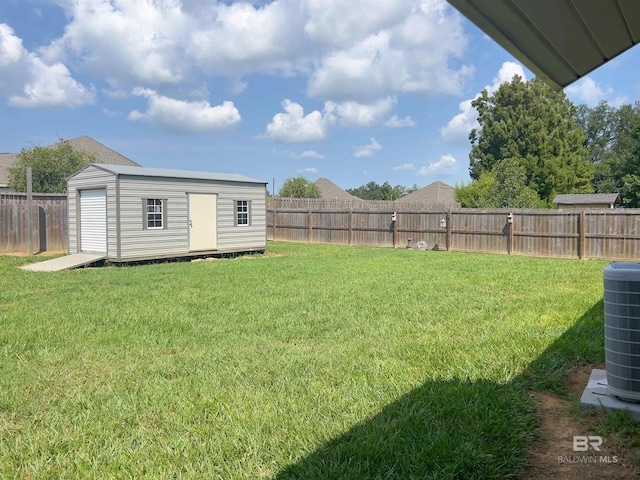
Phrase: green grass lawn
pixel 311 361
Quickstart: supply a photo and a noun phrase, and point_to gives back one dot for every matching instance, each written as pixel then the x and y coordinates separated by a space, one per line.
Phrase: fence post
pixel 581 235
pixel 275 228
pixel 510 234
pixel 310 232
pixel 29 211
pixel 395 230
pixel 447 242
pixel 350 240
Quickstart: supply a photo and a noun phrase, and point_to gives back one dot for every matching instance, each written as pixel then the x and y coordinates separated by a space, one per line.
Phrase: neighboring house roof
pixel 332 191
pixel 170 173
pixel 102 153
pixel 587 198
pixel 559 41
pixel 6 161
pixel 435 193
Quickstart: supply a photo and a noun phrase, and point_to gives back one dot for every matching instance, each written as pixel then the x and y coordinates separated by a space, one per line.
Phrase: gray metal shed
pixel 135 213
pixel 587 200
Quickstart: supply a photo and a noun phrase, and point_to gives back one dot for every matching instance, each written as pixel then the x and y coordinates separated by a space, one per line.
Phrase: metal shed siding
pixel 231 236
pixel 136 243
pixel 91 178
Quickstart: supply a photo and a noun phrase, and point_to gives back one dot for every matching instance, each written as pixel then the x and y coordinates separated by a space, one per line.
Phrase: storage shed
pixel 587 200
pixel 135 213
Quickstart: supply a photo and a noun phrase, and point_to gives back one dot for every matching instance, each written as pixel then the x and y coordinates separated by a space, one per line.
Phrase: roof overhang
pixel 558 40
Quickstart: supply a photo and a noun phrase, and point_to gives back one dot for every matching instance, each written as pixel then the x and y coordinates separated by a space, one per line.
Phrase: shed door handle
pixel 190 223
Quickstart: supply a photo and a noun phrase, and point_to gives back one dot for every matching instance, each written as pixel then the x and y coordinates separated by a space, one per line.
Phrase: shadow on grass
pixel 455 428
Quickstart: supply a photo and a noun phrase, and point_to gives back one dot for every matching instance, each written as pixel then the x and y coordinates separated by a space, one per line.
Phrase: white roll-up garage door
pixel 93 221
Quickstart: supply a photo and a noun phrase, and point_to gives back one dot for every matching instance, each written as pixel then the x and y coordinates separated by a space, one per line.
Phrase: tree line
pixel 534 143
pixel 300 187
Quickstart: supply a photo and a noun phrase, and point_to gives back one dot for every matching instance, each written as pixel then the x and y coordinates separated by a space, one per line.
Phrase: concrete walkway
pixel 65 263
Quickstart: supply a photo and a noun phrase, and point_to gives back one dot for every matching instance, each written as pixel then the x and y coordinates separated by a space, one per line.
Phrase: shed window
pixel 242 212
pixel 154 213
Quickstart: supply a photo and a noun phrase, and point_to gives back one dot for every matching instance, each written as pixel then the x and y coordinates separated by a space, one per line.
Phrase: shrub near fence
pixel 596 234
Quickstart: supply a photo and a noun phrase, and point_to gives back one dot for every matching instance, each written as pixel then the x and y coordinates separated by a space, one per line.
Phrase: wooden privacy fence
pixel 49 225
pixel 586 234
pixel 19 198
pixel 323 204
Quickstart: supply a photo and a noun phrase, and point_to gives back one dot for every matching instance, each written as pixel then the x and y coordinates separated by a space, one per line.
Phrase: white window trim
pixel 147 213
pixel 248 213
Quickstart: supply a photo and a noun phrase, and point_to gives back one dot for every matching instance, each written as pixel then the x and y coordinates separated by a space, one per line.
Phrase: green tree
pixel 610 143
pixel 50 167
pixel 504 187
pixel 373 191
pixel 299 187
pixel 630 190
pixel 535 127
pixel 477 193
pixel 510 189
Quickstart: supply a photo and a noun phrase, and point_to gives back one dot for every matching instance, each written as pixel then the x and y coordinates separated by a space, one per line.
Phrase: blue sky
pixel 357 91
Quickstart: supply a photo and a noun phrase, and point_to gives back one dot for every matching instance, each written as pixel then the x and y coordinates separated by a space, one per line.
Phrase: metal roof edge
pixel 125 170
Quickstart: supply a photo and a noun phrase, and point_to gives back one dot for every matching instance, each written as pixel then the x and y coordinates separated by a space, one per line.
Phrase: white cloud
pixel 294 127
pixel 411 53
pixel 242 38
pixel 126 41
pixel 395 122
pixel 506 73
pixel 308 154
pixel 30 82
pixel 349 53
pixel 308 170
pixel 354 114
pixel 404 166
pixel 459 127
pixel 51 86
pixel 186 117
pixel 11 49
pixel 340 24
pixel 588 91
pixel 362 151
pixel 447 165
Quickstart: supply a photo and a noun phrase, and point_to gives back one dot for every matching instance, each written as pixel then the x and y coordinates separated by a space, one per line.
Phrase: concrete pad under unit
pixel 65 263
pixel 596 395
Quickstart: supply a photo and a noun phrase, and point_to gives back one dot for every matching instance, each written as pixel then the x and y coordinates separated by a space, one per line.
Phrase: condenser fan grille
pixel 622 329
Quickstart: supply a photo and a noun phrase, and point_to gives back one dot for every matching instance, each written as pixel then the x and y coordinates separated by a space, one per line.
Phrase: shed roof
pixel 171 173
pixel 331 190
pixel 559 40
pixel 435 193
pixel 587 198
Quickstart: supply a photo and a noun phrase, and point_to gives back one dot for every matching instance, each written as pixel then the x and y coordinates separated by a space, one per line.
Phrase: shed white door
pixel 203 232
pixel 93 221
